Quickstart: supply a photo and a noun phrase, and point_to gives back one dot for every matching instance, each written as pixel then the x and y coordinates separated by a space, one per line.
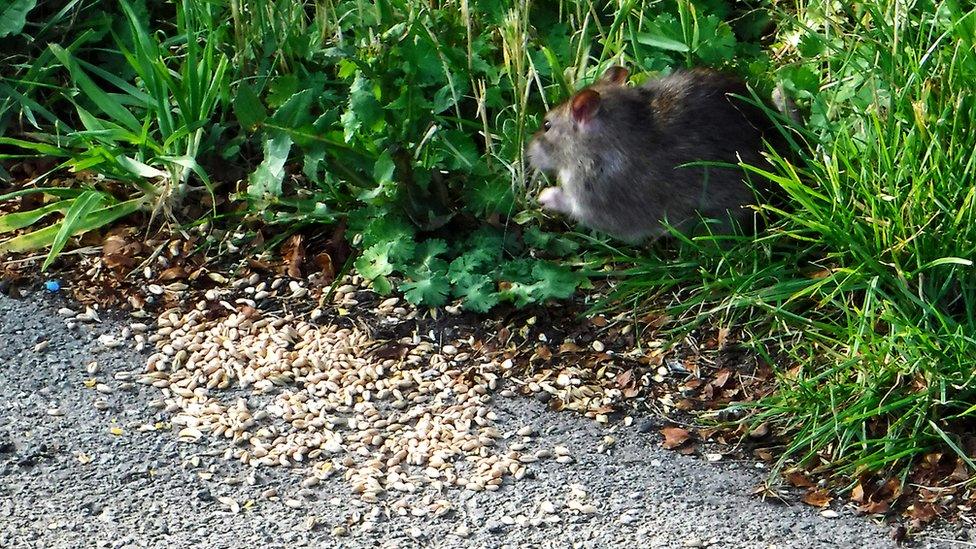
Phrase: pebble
pixel 829 513
pixel 628 518
pixel 646 425
pixel 293 503
pixel 462 531
pixel 598 346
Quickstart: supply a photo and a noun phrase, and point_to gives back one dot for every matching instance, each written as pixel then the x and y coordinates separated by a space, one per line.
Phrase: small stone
pixel 829 513
pixel 462 531
pixel 293 503
pixel 598 346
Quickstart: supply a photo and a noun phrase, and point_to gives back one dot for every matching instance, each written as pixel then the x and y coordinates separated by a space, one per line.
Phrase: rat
pixel 619 153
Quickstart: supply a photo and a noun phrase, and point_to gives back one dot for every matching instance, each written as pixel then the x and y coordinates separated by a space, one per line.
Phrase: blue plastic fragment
pixel 52 286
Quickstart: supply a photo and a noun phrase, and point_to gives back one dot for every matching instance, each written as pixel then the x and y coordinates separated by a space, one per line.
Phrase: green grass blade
pixel 72 223
pixel 14 221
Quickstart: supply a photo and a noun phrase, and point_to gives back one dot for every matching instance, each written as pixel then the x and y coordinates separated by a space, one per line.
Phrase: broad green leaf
pixel 363 111
pixel 19 220
pixel 296 112
pixel 383 168
pixel 248 108
pixel 266 179
pixel 13 16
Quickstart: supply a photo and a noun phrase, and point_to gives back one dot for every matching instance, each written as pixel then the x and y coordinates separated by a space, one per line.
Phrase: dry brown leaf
pixel 923 513
pixel 674 437
pixel 722 378
pixel 723 334
pixel 324 262
pixel 293 252
pixel 685 405
pixel 569 347
pixel 874 507
pixel 818 498
pixel 175 272
pixel 625 378
pixel 118 251
pixel 543 352
pixel 798 479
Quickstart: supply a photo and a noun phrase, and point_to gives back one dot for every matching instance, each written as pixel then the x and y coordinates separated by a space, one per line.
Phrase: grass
pixel 866 281
pixel 407 120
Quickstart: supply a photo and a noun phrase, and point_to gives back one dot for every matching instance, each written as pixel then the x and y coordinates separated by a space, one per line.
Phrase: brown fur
pixel 618 152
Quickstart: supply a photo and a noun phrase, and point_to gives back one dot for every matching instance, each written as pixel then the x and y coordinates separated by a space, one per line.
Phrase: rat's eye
pixel 546 125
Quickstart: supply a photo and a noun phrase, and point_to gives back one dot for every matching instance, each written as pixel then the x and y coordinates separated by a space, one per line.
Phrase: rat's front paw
pixel 553 198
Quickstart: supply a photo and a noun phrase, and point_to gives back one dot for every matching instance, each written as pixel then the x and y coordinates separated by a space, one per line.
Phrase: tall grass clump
pixel 862 292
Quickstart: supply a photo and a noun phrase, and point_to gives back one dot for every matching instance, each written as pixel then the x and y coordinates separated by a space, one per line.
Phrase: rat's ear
pixel 584 105
pixel 615 75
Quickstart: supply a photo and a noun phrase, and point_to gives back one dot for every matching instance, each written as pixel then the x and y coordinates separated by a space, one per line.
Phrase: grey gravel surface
pixel 68 481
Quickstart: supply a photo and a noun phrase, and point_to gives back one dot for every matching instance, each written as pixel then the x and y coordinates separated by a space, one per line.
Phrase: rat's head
pixel 560 140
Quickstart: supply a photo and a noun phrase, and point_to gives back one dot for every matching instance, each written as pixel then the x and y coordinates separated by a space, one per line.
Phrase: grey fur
pixel 619 165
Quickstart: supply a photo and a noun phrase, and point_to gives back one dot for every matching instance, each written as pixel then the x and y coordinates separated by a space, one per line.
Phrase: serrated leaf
pixel 479 294
pixel 248 108
pixel 550 242
pixel 267 178
pixel 554 281
pixel 429 249
pixel 375 261
pixel 717 43
pixel 431 290
pixel 13 17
